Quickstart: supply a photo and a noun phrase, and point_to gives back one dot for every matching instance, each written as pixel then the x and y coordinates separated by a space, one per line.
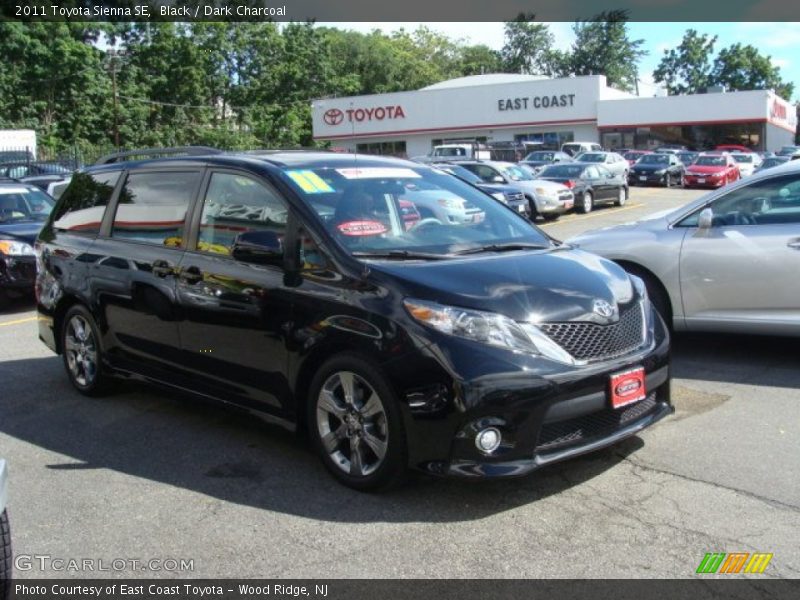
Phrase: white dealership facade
pixel 512 108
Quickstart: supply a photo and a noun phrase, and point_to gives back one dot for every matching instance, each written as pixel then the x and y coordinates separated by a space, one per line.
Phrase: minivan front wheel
pixel 355 424
pixel 80 345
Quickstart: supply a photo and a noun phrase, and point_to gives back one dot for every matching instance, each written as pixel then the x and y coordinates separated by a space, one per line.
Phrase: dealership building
pixel 514 108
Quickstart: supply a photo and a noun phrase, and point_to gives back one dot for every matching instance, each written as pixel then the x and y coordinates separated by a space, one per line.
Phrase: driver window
pixel 772 201
pixel 236 204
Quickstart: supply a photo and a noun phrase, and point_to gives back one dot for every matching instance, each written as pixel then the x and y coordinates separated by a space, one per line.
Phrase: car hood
pixel 705 169
pixel 558 285
pixel 25 231
pixel 499 187
pixel 649 168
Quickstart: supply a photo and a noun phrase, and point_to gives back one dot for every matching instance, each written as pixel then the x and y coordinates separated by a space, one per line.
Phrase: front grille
pixel 594 425
pixel 515 197
pixel 593 342
pixel 565 195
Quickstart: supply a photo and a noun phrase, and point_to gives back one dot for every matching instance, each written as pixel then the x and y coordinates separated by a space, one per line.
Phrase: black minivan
pixel 291 284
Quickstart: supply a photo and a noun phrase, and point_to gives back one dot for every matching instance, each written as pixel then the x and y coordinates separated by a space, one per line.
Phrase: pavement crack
pixel 771 501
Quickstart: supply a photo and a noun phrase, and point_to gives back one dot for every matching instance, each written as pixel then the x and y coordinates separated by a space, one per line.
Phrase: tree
pixel 527 47
pixel 686 69
pixel 602 47
pixel 476 60
pixel 741 67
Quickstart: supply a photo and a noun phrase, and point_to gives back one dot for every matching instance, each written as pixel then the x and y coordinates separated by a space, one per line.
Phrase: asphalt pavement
pixel 145 475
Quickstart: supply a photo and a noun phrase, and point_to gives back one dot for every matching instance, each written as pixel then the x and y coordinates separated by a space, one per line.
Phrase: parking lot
pixel 145 475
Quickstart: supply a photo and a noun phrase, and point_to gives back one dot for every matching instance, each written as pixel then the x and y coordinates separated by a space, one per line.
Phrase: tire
pixel 587 203
pixel 373 428
pixel 668 181
pixel 622 197
pixel 82 354
pixel 655 290
pixel 532 206
pixel 5 557
pixel 4 300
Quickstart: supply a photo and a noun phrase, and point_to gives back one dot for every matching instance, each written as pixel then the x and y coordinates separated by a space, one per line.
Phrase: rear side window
pixel 84 202
pixel 152 207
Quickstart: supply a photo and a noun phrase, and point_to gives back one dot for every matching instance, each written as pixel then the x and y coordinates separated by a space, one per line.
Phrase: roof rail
pixel 157 152
pixel 281 150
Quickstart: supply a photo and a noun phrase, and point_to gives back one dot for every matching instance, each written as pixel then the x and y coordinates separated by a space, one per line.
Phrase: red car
pixel 733 148
pixel 711 170
pixel 633 155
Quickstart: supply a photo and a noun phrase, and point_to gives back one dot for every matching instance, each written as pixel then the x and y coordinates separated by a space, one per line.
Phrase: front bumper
pixel 3 485
pixel 646 178
pixel 17 273
pixel 702 181
pixel 545 411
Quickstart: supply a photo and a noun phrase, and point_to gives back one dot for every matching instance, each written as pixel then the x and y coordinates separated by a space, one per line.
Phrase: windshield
pixel 592 157
pixel 362 208
pixel 687 157
pixel 772 162
pixel 711 161
pixel 540 156
pixel 633 155
pixel 562 171
pixel 654 159
pixel 23 203
pixel 515 173
pixel 743 158
pixel 451 151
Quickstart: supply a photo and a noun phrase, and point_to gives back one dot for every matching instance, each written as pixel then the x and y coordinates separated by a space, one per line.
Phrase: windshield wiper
pixel 503 248
pixel 401 255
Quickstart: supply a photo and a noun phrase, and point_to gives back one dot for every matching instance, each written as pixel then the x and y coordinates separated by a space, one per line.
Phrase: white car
pixel 612 161
pixel 748 162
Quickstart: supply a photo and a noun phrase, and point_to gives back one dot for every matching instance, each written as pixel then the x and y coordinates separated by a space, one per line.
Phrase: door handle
pixel 162 268
pixel 191 275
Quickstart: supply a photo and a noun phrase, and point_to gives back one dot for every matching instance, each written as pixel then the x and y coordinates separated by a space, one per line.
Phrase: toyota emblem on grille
pixel 333 116
pixel 603 308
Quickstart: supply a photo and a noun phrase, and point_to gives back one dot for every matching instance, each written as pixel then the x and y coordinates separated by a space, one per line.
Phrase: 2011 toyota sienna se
pixel 288 284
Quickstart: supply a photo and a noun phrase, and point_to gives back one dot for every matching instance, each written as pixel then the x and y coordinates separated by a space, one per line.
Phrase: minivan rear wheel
pixel 355 424
pixel 80 346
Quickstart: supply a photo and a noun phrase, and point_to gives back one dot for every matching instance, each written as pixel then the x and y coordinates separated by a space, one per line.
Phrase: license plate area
pixel 627 387
pixel 642 178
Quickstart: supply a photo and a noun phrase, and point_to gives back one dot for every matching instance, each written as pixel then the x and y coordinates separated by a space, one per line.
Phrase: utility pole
pixel 114 68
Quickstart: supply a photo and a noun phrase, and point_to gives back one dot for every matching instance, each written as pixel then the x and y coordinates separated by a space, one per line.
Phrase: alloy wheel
pixel 622 197
pixel 587 202
pixel 80 348
pixel 351 423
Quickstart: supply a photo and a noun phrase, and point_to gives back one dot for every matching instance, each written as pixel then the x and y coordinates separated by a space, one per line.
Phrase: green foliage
pixel 602 47
pixel 685 69
pixel 528 47
pixel 688 69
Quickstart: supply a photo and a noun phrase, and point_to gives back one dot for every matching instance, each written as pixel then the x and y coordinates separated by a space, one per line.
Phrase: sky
pixel 781 41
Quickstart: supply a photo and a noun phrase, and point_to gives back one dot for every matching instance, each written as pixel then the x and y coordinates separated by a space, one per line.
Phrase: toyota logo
pixel 603 308
pixel 333 116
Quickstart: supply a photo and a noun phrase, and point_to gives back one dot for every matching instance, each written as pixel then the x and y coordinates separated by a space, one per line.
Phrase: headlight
pixel 15 248
pixel 499 196
pixel 661 171
pixel 543 191
pixel 456 203
pixel 487 328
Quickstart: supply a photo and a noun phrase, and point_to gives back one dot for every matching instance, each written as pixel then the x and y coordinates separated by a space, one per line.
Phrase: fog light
pixel 488 440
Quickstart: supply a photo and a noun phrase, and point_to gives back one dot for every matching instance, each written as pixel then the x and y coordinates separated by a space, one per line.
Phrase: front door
pixel 744 268
pixel 235 315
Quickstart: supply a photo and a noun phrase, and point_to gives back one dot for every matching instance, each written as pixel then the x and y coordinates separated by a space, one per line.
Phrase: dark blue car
pixel 23 210
pixel 507 194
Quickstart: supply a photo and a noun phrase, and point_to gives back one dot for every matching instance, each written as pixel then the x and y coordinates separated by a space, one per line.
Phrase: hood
pixel 548 185
pixel 706 169
pixel 24 232
pixel 559 285
pixel 499 187
pixel 648 168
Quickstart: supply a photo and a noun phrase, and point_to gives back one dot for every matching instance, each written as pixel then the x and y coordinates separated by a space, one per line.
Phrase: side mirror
pixel 706 219
pixel 258 247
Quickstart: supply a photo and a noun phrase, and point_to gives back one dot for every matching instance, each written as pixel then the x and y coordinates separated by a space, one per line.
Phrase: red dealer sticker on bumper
pixel 359 228
pixel 627 387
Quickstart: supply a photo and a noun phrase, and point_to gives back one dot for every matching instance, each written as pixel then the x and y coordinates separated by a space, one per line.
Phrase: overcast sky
pixel 781 41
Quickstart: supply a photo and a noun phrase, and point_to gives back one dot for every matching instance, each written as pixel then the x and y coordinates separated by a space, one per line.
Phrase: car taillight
pixel 570 183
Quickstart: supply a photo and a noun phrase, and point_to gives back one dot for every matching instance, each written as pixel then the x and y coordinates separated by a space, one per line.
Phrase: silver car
pixel 5 535
pixel 616 163
pixel 727 262
pixel 547 198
